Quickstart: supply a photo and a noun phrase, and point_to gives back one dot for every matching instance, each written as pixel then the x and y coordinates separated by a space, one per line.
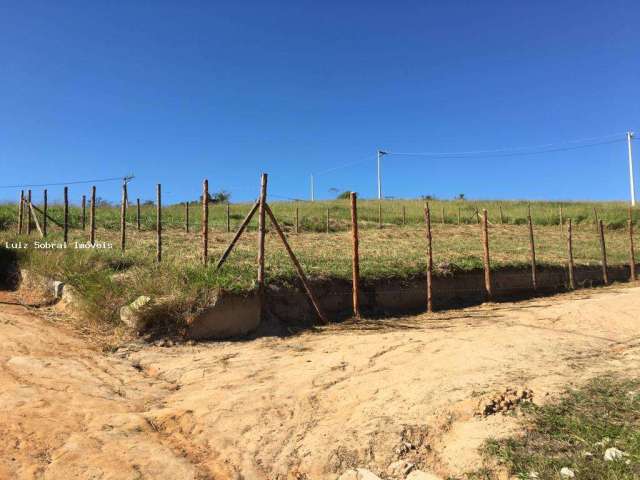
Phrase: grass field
pixel 395 250
pixel 312 215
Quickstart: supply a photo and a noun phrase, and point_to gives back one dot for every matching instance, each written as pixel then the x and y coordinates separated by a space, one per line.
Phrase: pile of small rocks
pixel 504 402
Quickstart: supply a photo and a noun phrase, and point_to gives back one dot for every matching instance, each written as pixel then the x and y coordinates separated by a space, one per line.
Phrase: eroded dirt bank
pixel 307 406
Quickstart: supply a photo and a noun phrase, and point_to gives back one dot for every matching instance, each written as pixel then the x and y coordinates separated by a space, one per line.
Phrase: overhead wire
pixel 56 184
pixel 503 152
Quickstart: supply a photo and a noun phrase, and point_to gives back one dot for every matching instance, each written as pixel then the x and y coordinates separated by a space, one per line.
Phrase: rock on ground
pixel 359 474
pixel 133 315
pixel 420 475
pixel 399 469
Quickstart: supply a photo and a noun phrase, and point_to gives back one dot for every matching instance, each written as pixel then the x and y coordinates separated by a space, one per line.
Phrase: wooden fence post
pixel 404 215
pixel 21 212
pixel 486 259
pixel 427 218
pixel 442 216
pixel 92 217
pixel 29 212
pixel 379 215
pixel 328 220
pixel 477 216
pixel 44 210
pixel 459 215
pixel 595 221
pixel 501 215
pixel 228 218
pixel 138 214
pixel 355 262
pixel 632 256
pixel 84 212
pixel 297 220
pixel 532 247
pixel 603 249
pixel 186 216
pixel 66 215
pixel 572 282
pixel 158 223
pixel 205 221
pixel 123 217
pixel 261 234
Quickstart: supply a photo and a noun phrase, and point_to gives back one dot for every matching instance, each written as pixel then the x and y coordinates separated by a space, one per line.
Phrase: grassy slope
pixel 389 252
pixel 313 214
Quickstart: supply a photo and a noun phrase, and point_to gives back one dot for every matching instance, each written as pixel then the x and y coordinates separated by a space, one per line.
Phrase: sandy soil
pixel 305 407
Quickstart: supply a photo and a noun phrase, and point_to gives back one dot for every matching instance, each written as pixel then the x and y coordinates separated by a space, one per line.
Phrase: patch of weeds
pixel 575 433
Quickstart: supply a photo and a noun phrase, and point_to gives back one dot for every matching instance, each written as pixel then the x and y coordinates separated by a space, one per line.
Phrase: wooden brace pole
pixel 296 264
pixel 35 220
pixel 236 237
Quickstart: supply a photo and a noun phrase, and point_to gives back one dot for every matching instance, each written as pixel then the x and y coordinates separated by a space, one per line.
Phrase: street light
pixel 380 154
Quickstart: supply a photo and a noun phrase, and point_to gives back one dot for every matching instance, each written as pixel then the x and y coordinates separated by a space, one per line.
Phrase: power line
pixel 57 184
pixel 502 152
pixel 521 151
pixel 351 164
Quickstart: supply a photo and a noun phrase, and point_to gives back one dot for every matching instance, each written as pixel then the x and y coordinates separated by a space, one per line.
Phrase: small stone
pixel 400 468
pixel 359 474
pixel 611 454
pixel 58 287
pixel 420 475
pixel 133 314
pixel 567 473
pixel 349 475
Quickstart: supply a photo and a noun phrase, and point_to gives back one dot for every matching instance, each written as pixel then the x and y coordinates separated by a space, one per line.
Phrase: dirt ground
pixel 309 406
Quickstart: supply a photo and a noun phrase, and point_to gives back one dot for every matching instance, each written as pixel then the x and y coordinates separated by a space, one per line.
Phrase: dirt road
pixel 305 407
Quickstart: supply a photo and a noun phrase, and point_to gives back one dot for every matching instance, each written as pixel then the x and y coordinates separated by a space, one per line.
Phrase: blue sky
pixel 178 91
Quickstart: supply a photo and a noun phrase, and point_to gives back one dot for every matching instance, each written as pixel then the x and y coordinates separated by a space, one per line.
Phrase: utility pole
pixel 631 180
pixel 312 195
pixel 125 181
pixel 380 154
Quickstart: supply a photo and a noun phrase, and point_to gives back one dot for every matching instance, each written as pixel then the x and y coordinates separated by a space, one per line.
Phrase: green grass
pixel 312 215
pixel 575 433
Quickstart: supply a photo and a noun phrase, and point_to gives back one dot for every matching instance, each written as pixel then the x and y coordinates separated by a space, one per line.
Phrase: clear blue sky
pixel 178 91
